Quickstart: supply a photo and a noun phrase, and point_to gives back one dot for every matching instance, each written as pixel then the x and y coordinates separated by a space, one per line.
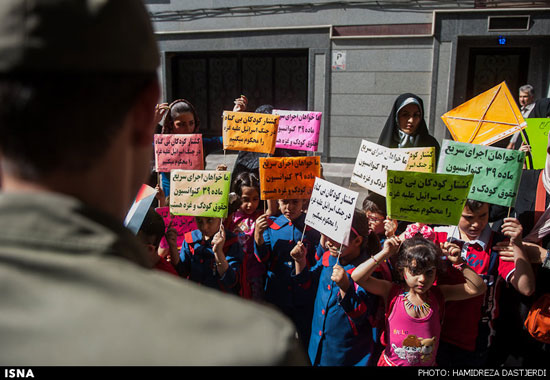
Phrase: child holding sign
pixel 211 256
pixel 344 313
pixel 414 307
pixel 181 117
pixel 241 222
pixel 274 238
pixel 469 325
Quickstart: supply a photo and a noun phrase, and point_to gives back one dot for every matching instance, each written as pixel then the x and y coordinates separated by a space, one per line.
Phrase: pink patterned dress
pixel 411 341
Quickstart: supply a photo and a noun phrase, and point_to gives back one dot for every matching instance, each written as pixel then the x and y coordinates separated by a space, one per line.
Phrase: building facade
pixel 347 59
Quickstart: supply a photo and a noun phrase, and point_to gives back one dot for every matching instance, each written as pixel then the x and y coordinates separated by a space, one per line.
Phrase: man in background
pixel 526 99
pixel 78 89
pixel 526 102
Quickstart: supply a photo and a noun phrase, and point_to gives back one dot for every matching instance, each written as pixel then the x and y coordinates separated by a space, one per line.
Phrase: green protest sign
pixel 199 192
pixel 497 171
pixel 537 135
pixel 429 198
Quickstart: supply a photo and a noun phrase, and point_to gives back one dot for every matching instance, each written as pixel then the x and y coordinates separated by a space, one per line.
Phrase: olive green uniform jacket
pixel 76 290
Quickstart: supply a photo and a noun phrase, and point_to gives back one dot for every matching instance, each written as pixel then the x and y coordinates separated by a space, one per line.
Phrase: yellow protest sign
pixel 248 131
pixel 288 177
pixel 485 119
pixel 420 159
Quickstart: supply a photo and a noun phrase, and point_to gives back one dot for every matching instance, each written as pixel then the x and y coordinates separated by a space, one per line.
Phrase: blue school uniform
pixel 209 144
pixel 279 239
pixel 197 262
pixel 343 329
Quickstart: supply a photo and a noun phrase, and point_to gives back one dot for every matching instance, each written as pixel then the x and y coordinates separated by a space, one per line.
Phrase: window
pixel 212 81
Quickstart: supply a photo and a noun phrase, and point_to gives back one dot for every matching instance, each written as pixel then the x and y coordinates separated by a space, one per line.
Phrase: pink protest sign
pixel 181 224
pixel 178 152
pixel 298 130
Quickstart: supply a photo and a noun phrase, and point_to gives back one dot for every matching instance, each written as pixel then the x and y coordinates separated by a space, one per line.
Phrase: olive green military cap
pixel 76 35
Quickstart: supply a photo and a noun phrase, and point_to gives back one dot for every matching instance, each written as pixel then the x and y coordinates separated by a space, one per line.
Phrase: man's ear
pixel 142 114
pixel 151 248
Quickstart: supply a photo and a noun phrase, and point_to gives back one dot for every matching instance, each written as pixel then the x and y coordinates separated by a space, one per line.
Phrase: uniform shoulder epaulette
pixel 190 237
pixel 326 258
pixel 273 225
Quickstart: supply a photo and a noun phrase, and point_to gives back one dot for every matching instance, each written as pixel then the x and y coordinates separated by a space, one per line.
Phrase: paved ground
pixel 338 174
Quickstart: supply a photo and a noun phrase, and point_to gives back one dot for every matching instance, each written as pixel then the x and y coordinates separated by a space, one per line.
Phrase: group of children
pixel 425 296
pixel 398 294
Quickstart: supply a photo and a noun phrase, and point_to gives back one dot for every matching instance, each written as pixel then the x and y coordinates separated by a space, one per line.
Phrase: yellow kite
pixel 485 119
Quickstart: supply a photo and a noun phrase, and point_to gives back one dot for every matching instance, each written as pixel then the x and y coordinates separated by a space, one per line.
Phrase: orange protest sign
pixel 485 119
pixel 253 132
pixel 288 177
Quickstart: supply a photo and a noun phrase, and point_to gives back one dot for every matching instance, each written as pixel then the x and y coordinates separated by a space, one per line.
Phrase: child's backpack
pixel 537 322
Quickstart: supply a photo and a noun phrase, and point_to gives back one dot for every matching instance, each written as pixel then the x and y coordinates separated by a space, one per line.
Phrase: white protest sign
pixel 373 163
pixel 331 210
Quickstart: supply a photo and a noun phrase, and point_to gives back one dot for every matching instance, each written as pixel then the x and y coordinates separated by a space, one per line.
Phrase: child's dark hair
pixel 177 107
pixel 248 179
pixel 474 205
pixel 424 253
pixel 360 224
pixel 375 203
pixel 264 108
pixel 152 229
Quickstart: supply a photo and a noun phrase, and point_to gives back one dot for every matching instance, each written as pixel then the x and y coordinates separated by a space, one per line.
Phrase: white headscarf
pixel 406 102
pixel 406 140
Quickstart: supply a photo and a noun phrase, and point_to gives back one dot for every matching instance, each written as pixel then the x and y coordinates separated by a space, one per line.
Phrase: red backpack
pixel 537 322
